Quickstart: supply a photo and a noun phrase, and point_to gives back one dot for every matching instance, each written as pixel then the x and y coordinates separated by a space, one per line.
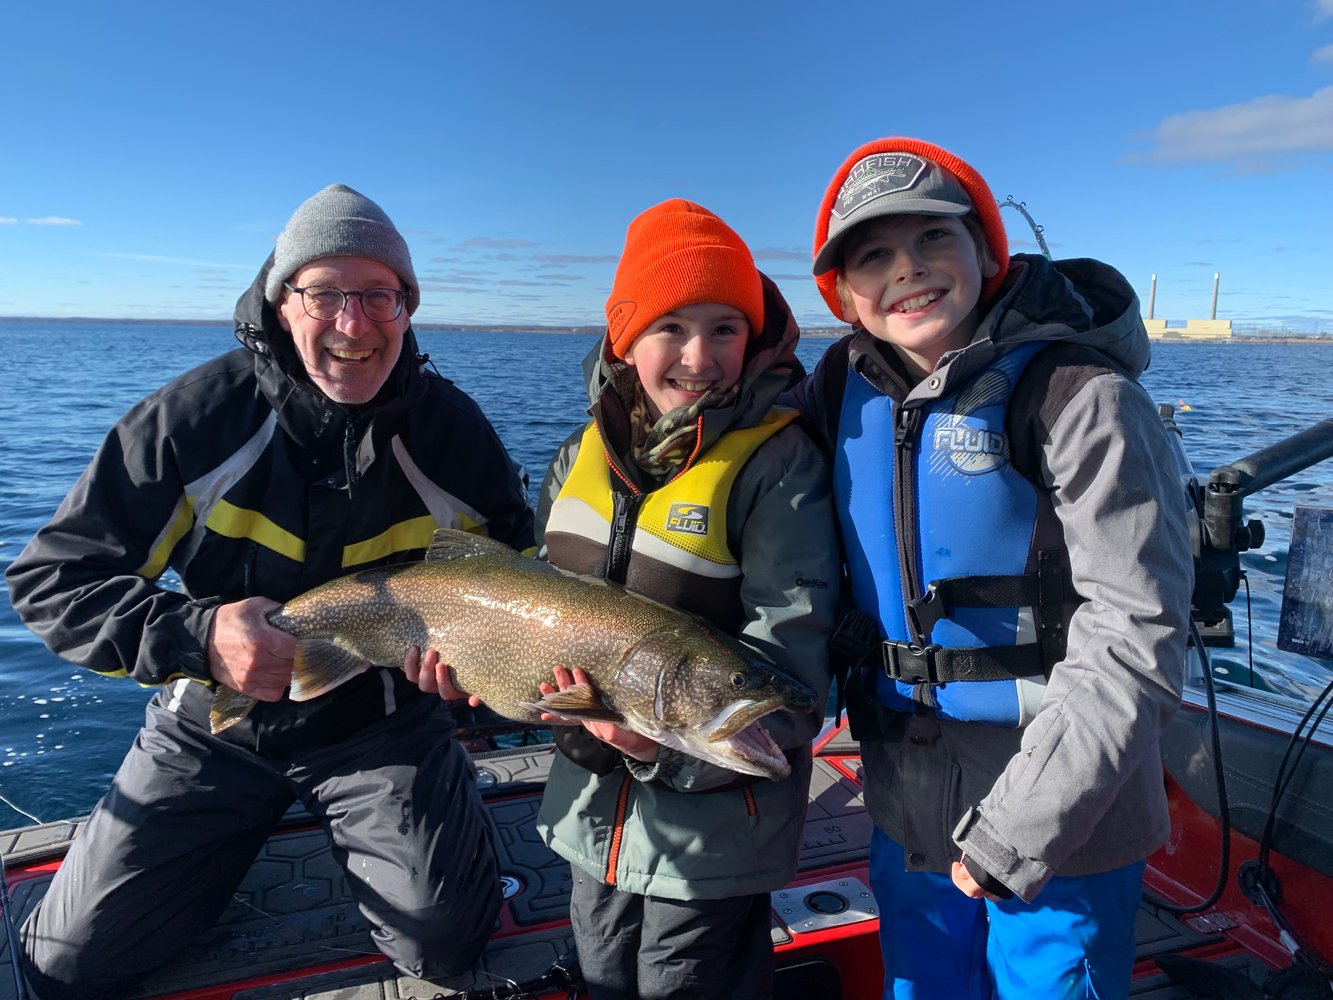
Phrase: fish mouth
pixel 755 745
pixel 741 735
pixel 740 715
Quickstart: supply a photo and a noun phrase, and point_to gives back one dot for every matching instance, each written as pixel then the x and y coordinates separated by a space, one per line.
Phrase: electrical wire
pixel 11 934
pixel 1223 809
pixel 1263 874
pixel 10 917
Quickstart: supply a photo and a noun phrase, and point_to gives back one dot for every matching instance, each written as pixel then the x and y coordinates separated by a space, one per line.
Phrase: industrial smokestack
pixel 1213 314
pixel 1152 295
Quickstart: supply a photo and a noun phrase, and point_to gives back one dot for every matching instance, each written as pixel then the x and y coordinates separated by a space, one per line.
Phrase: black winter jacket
pixel 246 480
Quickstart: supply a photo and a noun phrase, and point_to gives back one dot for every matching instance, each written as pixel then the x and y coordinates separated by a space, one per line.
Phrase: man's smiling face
pixel 349 357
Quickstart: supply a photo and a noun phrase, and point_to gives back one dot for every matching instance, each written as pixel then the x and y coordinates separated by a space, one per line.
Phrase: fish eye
pixel 738 679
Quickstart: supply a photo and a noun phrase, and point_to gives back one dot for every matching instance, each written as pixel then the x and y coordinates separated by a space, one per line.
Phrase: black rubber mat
pixel 293 911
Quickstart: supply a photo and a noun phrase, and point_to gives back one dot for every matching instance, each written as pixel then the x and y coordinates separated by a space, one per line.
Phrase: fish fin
pixel 450 543
pixel 579 703
pixel 320 666
pixel 229 707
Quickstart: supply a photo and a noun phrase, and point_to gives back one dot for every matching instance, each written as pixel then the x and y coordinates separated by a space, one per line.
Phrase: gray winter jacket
pixel 1079 789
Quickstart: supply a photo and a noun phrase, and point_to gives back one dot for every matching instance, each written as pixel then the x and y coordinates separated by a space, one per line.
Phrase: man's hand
pixel 248 654
pixel 434 677
pixel 626 741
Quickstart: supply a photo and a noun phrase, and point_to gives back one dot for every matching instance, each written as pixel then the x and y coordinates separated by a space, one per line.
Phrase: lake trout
pixel 503 621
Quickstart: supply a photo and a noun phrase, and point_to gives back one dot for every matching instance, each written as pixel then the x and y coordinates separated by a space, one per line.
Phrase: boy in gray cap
pixel 1016 544
pixel 320 447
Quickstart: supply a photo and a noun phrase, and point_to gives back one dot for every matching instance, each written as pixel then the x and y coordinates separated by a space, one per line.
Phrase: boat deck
pixel 292 930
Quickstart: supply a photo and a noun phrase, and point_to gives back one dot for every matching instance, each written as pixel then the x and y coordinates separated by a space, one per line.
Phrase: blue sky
pixel 153 151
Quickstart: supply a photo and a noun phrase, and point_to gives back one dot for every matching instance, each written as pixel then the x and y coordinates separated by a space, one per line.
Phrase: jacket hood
pixel 771 366
pixel 1079 301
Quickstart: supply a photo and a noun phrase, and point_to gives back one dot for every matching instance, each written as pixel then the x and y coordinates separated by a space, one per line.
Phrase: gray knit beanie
pixel 340 222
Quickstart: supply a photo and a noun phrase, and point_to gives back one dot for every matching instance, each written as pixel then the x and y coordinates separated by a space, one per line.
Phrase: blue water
pixel 63 730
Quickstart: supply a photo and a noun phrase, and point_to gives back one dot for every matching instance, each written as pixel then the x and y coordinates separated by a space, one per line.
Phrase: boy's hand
pixel 434 677
pixel 627 742
pixel 968 886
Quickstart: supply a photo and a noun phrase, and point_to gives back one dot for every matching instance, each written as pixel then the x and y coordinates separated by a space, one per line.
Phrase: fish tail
pixel 229 707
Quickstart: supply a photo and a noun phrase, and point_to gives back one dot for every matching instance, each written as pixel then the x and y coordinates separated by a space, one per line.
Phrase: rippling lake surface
pixel 64 730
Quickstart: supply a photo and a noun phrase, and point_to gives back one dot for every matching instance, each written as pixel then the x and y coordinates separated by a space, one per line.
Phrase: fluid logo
pixel 691 518
pixel 963 439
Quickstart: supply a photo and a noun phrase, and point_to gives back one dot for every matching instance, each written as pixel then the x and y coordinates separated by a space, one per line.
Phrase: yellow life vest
pixel 679 550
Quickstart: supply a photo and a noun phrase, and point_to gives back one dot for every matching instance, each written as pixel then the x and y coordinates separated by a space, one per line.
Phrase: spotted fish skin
pixel 503 621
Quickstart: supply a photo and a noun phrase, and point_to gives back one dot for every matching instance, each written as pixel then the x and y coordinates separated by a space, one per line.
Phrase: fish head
pixel 704 693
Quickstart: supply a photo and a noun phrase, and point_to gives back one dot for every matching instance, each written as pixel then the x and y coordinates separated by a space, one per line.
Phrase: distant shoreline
pixel 810 333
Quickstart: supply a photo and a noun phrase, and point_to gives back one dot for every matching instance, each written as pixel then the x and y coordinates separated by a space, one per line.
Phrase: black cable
pixel 1285 774
pixel 1249 618
pixel 1223 809
pixel 11 934
pixel 1259 875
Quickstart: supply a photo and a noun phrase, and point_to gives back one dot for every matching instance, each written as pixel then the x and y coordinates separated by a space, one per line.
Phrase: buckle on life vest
pixel 926 610
pixel 911 664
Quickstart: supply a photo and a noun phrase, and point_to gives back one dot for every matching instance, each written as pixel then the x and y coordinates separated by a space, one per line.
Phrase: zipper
pixel 906 510
pixel 618 827
pixel 626 498
pixel 624 518
pixel 248 570
pixel 906 442
pixel 349 453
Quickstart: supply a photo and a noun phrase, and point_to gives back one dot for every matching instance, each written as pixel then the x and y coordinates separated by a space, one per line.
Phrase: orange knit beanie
pixel 678 254
pixel 983 204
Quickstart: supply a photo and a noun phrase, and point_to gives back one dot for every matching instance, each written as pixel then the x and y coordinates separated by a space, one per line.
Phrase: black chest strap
pixel 857 637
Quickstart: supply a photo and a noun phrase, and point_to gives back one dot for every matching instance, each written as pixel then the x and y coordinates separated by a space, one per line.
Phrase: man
pixel 319 448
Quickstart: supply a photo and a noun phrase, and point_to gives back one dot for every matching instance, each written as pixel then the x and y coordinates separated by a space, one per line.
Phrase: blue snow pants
pixel 1075 940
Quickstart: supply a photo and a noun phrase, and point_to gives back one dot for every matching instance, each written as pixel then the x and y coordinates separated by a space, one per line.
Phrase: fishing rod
pixel 1037 231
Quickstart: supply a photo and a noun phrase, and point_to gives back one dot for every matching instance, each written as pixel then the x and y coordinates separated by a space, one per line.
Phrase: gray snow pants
pixel 186 814
pixel 634 947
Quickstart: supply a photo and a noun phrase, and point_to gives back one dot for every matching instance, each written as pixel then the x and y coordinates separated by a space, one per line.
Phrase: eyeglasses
pixel 324 303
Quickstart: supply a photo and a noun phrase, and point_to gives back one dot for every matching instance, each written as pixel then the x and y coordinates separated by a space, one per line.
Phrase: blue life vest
pixel 928 493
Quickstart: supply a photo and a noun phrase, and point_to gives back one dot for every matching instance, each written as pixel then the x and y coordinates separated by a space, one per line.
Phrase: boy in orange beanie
pixel 1015 536
pixel 678 488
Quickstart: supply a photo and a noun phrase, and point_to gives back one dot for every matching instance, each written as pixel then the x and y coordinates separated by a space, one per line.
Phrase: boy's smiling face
pixel 914 281
pixel 689 351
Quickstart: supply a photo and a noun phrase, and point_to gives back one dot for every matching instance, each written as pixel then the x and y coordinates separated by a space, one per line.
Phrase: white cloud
pixel 153 258
pixel 1323 9
pixel 54 220
pixel 1256 134
pixel 1324 55
pixel 7 221
pixel 488 243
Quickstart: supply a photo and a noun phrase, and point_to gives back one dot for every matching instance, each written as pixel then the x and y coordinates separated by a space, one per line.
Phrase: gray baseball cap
pixel 889 183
